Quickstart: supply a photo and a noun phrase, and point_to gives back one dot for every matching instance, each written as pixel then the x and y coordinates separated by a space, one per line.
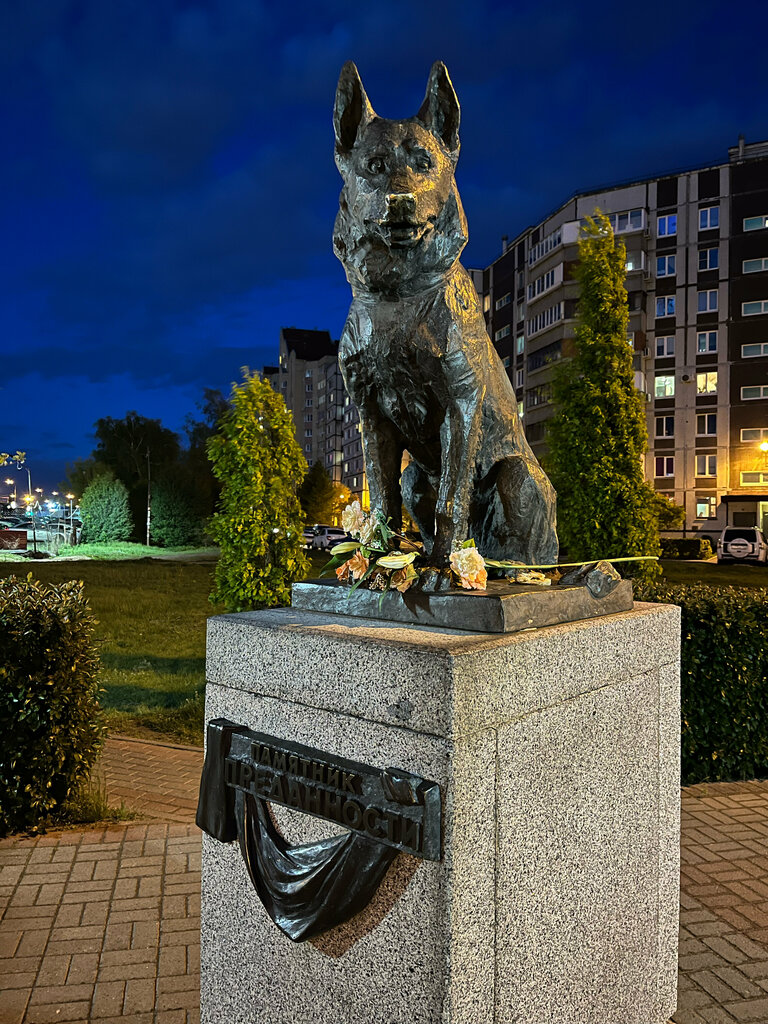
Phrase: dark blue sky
pixel 168 186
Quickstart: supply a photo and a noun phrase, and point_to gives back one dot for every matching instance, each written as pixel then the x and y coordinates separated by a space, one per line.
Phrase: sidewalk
pixel 103 924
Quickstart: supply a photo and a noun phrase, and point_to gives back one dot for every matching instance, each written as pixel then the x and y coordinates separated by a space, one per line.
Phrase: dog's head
pixel 400 225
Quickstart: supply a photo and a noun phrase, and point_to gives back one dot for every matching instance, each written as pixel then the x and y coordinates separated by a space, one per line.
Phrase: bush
pixel 50 720
pixel 175 522
pixel 724 679
pixel 691 548
pixel 105 511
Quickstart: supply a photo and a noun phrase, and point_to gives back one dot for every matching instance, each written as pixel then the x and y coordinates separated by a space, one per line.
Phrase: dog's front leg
pixel 383 452
pixel 459 440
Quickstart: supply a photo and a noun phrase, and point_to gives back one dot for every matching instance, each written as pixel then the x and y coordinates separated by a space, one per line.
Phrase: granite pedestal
pixel 557 753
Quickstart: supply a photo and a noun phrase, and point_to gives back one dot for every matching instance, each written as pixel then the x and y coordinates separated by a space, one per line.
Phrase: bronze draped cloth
pixel 305 889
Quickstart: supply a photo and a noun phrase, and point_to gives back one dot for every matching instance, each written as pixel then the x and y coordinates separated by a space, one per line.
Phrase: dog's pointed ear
pixel 352 110
pixel 440 111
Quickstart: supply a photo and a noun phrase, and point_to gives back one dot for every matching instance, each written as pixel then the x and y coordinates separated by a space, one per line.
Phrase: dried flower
pixel 402 579
pixel 378 581
pixel 469 566
pixel 352 519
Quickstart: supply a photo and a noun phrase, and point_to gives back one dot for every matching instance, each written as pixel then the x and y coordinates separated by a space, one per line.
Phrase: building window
pixel 308 433
pixel 665 426
pixel 751 392
pixel 545 246
pixel 308 387
pixel 666 225
pixel 539 396
pixel 754 308
pixel 706 383
pixel 486 303
pixel 307 417
pixel 503 332
pixel 760 348
pixel 664 386
pixel 307 403
pixel 629 220
pixel 504 300
pixel 755 223
pixel 665 346
pixel 754 433
pixel 520 343
pixel 665 266
pixel 758 479
pixel 709 259
pixel 520 409
pixel 706 423
pixel 665 306
pixel 541 321
pixel 754 266
pixel 664 465
pixel 706 508
pixel 308 373
pixel 519 377
pixel 709 218
pixel 706 302
pixel 706 465
pixel 706 341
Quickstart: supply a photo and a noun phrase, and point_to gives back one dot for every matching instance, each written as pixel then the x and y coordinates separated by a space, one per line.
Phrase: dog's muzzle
pixel 400 227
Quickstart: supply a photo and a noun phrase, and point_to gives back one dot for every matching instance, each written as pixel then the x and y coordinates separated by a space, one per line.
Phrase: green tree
pixel 669 516
pixel 105 511
pixel 259 523
pixel 175 519
pixel 317 495
pixel 598 435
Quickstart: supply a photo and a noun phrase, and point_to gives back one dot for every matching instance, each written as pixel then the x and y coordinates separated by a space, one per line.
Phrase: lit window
pixel 755 223
pixel 706 508
pixel 706 341
pixel 709 259
pixel 665 346
pixel 706 383
pixel 503 332
pixel 307 373
pixel 760 348
pixel 520 343
pixel 520 409
pixel 754 308
pixel 665 306
pixel 758 479
pixel 664 386
pixel 706 423
pixel 754 266
pixel 666 225
pixel 631 339
pixel 709 218
pixel 665 266
pixel 665 426
pixel 664 465
pixel 519 377
pixel 486 303
pixel 706 465
pixel 753 391
pixel 754 433
pixel 706 302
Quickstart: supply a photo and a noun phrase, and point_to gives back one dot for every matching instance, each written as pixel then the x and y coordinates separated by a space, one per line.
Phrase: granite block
pixel 443 682
pixel 557 754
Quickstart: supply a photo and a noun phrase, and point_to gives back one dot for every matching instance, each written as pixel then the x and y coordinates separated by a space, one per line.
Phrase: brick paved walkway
pixel 103 924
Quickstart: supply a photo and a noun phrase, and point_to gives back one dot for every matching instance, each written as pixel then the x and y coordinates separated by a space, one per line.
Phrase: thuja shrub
pixel 691 548
pixel 50 722
pixel 724 679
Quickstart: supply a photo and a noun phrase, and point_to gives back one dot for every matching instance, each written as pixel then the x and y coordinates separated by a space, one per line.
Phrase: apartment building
pixel 308 378
pixel 697 279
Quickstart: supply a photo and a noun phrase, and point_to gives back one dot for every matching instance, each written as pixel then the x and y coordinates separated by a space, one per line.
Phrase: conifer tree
pixel 259 522
pixel 598 435
pixel 105 511
pixel 318 495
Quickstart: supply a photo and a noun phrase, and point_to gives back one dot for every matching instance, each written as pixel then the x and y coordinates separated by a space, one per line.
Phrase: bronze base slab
pixel 502 608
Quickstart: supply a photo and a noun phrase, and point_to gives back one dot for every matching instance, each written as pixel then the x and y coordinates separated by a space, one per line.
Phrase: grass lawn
pixel 151 629
pixel 676 571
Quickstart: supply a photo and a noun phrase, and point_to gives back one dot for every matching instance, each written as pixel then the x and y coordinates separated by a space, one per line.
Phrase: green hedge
pixel 724 679
pixel 686 547
pixel 50 722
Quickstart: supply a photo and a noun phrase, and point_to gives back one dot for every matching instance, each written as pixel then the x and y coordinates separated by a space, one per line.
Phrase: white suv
pixel 742 544
pixel 327 536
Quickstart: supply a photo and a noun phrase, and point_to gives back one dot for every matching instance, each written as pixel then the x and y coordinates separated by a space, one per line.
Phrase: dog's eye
pixel 376 165
pixel 423 163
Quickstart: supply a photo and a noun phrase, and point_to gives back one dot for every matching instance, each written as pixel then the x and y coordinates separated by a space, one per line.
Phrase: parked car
pixel 307 537
pixel 326 537
pixel 742 544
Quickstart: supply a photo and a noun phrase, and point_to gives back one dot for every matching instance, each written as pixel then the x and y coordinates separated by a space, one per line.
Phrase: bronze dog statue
pixel 415 355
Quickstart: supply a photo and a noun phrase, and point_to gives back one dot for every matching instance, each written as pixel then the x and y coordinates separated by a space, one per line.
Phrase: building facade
pixel 697 279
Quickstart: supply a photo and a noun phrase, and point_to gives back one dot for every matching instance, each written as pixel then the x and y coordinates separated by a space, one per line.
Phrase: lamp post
pixel 10 482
